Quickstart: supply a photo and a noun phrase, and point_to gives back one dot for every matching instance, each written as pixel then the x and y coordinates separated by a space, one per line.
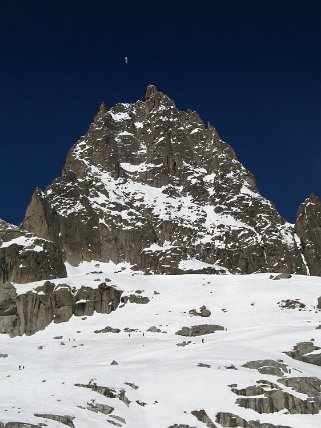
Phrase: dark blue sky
pixel 252 68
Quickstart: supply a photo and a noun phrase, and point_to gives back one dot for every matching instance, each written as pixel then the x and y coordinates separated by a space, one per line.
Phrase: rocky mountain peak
pixel 152 185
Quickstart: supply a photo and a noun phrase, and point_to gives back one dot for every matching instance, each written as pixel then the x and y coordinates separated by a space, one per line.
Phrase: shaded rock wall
pixel 33 311
pixel 26 258
pixel 308 229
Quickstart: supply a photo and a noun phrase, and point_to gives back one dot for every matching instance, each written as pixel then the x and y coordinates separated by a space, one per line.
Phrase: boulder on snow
pixel 229 420
pixel 203 312
pixel 134 298
pixel 199 330
pixel 154 329
pixel 282 276
pixel 202 416
pixel 271 367
pixel 304 351
pixel 108 329
pixel 65 420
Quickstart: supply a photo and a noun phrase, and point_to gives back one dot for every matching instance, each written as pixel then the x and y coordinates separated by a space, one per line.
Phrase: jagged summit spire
pixel 313 198
pixel 155 98
pixel 151 91
pixel 100 113
pixel 102 107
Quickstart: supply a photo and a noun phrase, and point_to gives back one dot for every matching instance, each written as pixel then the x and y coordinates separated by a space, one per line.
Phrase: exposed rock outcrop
pixel 26 258
pixel 106 391
pixel 132 385
pixel 184 343
pixel 154 186
pixel 291 304
pixel 135 298
pixel 103 390
pixel 308 229
pixel 282 276
pixel 208 366
pixel 199 330
pixel 154 329
pixel 271 367
pixel 181 426
pixel 229 420
pixel 304 351
pixel 202 416
pixel 33 311
pixel 65 420
pixel 310 386
pixel 271 398
pixel 108 329
pixel 203 312
pixel 101 408
pixel 19 425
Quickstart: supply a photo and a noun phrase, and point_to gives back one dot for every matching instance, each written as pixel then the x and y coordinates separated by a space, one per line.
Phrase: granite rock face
pixel 227 419
pixel 33 311
pixel 308 228
pixel 268 397
pixel 306 352
pixel 152 185
pixel 26 258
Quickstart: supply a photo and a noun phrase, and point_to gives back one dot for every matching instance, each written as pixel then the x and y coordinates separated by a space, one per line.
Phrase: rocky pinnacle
pixel 152 185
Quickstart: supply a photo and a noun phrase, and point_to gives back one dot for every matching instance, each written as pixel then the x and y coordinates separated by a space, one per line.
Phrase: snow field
pixel 168 377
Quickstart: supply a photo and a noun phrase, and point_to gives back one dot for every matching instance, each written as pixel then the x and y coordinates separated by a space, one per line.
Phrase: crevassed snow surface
pixel 168 377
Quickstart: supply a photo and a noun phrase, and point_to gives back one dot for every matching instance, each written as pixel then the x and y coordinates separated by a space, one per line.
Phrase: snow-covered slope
pixel 158 379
